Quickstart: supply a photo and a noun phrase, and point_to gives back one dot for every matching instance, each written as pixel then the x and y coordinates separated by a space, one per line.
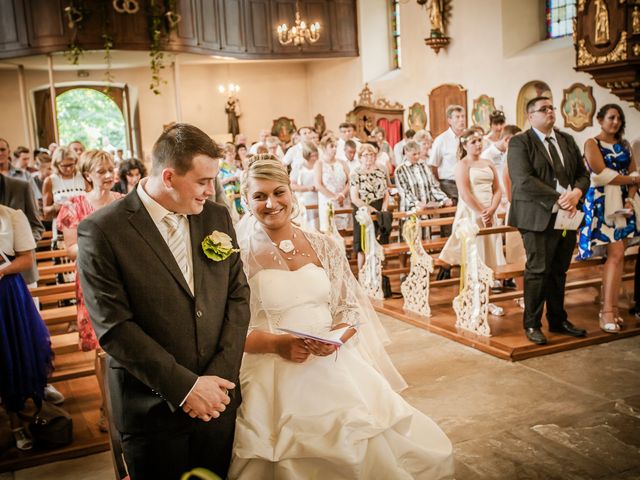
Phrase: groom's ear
pixel 168 176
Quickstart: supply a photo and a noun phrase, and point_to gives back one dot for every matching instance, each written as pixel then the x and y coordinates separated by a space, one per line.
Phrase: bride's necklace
pixel 287 247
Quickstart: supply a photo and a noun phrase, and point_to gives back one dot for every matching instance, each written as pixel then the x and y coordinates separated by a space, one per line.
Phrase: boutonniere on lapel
pixel 217 246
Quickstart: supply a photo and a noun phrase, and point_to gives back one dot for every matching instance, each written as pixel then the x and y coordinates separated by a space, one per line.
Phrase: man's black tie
pixel 561 173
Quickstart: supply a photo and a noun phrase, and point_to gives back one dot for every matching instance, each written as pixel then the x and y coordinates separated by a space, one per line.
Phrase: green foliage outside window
pixel 91 117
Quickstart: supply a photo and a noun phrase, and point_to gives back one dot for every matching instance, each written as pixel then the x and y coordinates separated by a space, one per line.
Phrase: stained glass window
pixel 395 32
pixel 560 15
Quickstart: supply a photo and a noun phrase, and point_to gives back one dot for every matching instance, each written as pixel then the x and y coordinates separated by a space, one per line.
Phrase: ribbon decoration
pixel 363 237
pixel 330 215
pixel 463 261
pixel 410 232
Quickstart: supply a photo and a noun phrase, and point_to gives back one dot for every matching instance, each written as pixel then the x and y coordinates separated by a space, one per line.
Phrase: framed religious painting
pixel 578 106
pixel 283 128
pixel 483 107
pixel 417 117
pixel 529 91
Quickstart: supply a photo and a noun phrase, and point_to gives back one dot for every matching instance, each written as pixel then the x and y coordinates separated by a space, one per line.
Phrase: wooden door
pixel 231 25
pixel 258 26
pixel 439 99
pixel 208 24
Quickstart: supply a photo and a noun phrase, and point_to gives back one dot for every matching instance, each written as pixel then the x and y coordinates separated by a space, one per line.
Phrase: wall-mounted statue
pixel 635 21
pixel 232 109
pixel 435 17
pixel 601 23
pixel 438 11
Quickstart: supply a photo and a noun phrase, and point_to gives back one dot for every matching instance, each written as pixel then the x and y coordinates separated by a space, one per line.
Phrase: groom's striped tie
pixel 176 242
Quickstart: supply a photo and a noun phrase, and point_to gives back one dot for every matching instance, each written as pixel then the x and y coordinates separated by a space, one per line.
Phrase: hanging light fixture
pixel 300 32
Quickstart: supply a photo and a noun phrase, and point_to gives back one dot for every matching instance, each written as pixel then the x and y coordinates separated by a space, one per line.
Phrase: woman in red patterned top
pixel 97 167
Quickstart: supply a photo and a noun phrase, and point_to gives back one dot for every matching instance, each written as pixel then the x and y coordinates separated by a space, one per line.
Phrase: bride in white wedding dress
pixel 311 410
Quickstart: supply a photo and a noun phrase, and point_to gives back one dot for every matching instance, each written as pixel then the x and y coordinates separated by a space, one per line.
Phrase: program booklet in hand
pixel 564 220
pixel 4 261
pixel 332 337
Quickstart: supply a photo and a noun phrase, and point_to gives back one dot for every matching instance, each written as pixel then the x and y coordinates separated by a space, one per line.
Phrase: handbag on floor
pixel 51 426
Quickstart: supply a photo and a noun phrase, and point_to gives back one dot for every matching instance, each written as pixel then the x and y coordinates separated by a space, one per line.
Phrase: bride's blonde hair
pixel 267 167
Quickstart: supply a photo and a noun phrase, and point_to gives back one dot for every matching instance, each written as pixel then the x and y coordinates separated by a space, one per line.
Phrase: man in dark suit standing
pixel 547 174
pixel 172 320
pixel 17 194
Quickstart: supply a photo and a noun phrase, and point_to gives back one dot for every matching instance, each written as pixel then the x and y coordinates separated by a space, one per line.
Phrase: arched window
pixel 394 19
pixel 90 116
pixel 89 112
pixel 560 15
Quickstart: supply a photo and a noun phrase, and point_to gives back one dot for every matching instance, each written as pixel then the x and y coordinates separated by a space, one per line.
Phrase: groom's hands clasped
pixel 209 398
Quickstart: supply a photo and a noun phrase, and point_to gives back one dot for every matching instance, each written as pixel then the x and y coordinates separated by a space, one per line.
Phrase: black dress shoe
pixel 567 328
pixel 444 274
pixel 509 284
pixel 536 336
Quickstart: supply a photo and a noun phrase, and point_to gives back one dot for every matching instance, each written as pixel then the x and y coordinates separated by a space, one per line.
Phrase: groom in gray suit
pixel 172 320
pixel 547 174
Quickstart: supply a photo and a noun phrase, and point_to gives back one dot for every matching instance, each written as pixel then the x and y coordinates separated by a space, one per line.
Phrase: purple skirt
pixel 25 346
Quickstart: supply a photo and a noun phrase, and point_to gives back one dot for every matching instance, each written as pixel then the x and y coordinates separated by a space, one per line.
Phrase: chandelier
pixel 299 32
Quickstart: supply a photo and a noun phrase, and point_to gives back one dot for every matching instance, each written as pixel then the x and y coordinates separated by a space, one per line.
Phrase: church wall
pixel 495 49
pixel 267 90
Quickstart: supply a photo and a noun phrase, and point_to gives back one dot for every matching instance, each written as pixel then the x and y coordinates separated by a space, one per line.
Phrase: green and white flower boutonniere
pixel 217 246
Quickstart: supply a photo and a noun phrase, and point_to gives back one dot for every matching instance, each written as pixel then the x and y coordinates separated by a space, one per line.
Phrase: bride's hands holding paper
pixel 292 348
pixel 319 349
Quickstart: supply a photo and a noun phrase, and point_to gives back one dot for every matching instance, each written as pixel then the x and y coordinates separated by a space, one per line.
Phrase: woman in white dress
pixel 310 411
pixel 332 183
pixel 303 183
pixel 480 194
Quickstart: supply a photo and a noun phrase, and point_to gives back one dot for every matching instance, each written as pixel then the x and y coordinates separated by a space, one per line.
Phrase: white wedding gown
pixel 331 417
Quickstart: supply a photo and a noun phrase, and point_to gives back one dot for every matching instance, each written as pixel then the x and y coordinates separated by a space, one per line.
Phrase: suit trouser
pixel 450 188
pixel 636 284
pixel 168 454
pixel 548 258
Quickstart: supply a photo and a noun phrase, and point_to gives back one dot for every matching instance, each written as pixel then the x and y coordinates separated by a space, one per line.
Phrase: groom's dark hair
pixel 177 146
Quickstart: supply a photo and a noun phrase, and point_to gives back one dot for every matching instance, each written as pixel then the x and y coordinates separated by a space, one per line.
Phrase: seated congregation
pixel 325 228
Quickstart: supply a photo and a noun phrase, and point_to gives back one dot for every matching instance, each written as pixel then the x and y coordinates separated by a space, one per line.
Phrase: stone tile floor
pixel 571 415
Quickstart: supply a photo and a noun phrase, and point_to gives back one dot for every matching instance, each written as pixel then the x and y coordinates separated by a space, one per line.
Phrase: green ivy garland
pixel 163 21
pixel 156 55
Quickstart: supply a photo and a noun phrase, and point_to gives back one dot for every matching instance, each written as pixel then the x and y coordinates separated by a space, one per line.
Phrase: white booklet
pixel 4 261
pixel 564 220
pixel 332 337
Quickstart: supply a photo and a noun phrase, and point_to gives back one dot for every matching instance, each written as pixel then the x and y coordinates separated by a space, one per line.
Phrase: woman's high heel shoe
pixel 23 442
pixel 619 319
pixel 609 326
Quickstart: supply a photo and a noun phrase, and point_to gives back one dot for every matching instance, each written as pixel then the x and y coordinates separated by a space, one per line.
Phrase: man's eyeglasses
pixel 545 109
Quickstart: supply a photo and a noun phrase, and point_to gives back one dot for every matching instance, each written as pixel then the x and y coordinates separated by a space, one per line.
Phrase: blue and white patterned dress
pixel 597 230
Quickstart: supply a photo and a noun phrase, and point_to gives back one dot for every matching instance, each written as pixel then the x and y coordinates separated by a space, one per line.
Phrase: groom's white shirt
pixel 157 212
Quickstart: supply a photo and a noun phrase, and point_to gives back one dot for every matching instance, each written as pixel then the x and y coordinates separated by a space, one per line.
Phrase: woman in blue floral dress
pixel 610 219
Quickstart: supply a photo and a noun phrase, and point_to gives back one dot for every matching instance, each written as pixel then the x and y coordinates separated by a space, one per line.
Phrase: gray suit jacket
pixel 17 194
pixel 533 180
pixel 160 336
